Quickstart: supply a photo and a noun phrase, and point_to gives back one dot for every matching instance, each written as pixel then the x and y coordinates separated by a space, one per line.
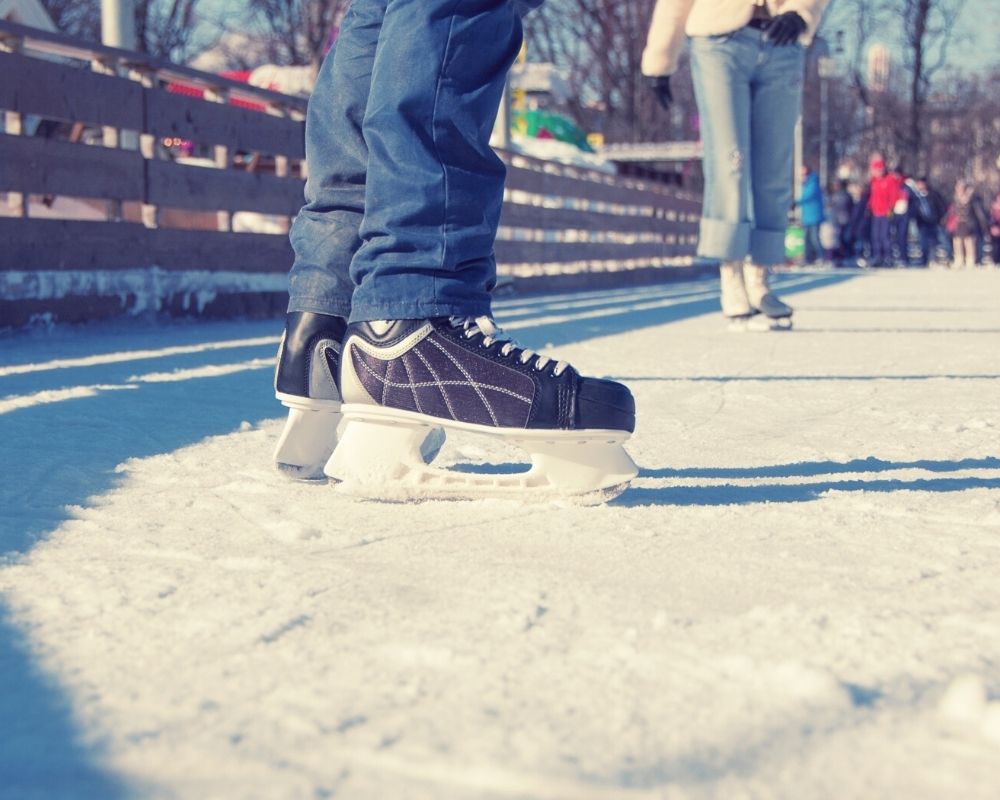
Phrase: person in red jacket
pixel 884 190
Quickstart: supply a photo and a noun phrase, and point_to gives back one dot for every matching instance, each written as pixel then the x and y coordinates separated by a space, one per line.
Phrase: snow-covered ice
pixel 799 597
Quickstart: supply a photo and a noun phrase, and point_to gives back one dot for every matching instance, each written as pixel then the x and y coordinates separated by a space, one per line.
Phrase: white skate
pixel 770 312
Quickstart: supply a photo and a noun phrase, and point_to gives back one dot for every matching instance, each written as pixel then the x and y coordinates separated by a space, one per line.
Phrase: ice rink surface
pixel 799 596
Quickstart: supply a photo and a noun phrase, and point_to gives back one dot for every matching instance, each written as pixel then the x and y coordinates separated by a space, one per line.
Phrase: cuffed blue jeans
pixel 404 192
pixel 749 93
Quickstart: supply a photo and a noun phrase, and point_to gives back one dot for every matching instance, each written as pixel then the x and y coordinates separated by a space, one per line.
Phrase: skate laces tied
pixel 492 332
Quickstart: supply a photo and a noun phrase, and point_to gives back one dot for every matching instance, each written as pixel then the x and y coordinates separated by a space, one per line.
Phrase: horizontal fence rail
pixel 120 192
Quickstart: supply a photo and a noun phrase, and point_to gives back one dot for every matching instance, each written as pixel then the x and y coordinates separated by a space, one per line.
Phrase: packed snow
pixel 798 597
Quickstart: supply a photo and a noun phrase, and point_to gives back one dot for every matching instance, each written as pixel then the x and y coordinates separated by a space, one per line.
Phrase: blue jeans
pixel 814 245
pixel 881 241
pixel 404 193
pixel 749 93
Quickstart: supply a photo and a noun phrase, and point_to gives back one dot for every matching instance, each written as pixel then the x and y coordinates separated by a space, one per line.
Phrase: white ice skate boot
pixel 736 306
pixel 400 377
pixel 773 314
pixel 306 381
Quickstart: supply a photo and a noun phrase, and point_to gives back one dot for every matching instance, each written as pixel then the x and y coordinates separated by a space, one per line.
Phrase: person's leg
pixel 958 248
pixel 904 240
pixel 880 242
pixel 816 244
pixel 810 244
pixel 945 238
pixel 434 185
pixel 721 67
pixel 845 251
pixel 324 235
pixel 776 94
pixel 927 236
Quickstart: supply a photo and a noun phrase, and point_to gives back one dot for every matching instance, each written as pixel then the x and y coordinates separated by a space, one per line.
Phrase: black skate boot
pixel 306 382
pixel 465 374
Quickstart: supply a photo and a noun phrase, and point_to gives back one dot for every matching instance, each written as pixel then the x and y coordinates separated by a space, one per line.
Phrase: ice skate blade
pixel 308 438
pixel 759 323
pixel 379 458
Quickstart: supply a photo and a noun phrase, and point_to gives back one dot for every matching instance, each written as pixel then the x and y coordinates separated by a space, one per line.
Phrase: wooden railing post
pixel 222 156
pixel 17 202
pixel 147 146
pixel 111 135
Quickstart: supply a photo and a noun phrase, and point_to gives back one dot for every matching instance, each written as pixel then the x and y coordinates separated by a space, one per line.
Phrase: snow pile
pixel 560 152
pixel 798 597
pixel 966 704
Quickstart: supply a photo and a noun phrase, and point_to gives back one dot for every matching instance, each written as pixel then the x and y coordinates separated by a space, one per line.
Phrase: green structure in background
pixel 795 243
pixel 540 124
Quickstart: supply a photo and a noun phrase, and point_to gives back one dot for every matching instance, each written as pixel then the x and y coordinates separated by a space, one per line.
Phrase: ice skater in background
pixel 883 193
pixel 389 324
pixel 811 208
pixel 747 62
pixel 968 218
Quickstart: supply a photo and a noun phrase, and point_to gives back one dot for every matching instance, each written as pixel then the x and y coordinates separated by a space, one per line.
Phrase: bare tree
pixel 600 43
pixel 297 31
pixel 896 119
pixel 928 26
pixel 166 28
pixel 962 137
pixel 76 17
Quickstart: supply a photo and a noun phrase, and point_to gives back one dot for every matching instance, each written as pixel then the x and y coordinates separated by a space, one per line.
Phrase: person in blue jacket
pixel 810 203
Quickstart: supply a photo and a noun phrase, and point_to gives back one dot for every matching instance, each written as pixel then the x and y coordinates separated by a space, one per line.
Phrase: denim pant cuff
pixel 417 310
pixel 729 241
pixel 334 307
pixel 767 248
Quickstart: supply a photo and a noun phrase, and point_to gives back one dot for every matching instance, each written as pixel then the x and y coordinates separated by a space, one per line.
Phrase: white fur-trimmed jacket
pixel 673 19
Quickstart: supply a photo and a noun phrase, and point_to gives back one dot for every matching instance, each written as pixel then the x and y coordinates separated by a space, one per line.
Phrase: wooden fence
pixel 98 215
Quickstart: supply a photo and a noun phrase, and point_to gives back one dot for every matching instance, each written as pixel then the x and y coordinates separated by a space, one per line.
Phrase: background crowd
pixel 898 220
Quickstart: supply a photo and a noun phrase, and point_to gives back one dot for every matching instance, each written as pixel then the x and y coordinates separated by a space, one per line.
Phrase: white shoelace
pixel 492 332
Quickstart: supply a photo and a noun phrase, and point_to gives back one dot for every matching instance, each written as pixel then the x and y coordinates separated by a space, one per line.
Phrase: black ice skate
pixel 305 381
pixel 400 377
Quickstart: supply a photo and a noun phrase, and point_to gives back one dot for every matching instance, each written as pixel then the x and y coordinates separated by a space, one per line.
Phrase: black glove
pixel 660 85
pixel 786 28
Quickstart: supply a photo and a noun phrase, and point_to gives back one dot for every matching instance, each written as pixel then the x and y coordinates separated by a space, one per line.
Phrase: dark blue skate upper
pixel 452 375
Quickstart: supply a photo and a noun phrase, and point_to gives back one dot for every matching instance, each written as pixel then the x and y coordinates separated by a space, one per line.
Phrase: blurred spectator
pixel 967 219
pixel 995 230
pixel 810 203
pixel 861 226
pixel 901 215
pixel 842 210
pixel 928 209
pixel 883 192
